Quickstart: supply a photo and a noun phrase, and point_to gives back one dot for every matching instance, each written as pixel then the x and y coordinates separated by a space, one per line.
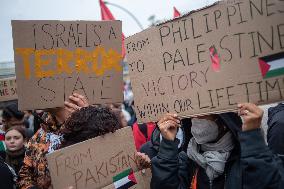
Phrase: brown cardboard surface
pixel 8 89
pixel 56 58
pixel 171 69
pixel 94 163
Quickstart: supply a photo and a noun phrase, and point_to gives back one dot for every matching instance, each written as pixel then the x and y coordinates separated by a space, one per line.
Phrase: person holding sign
pixel 34 172
pixel 223 153
pixel 89 122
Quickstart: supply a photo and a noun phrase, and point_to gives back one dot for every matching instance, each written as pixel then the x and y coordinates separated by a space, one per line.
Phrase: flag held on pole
pixel 107 15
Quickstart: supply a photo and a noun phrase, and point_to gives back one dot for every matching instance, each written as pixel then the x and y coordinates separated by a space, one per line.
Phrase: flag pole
pixel 127 11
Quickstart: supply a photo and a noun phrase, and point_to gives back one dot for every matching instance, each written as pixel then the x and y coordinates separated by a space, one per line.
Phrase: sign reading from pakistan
pixel 57 58
pixel 209 60
pixel 106 162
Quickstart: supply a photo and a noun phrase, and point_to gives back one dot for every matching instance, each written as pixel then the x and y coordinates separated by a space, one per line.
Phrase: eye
pixel 8 138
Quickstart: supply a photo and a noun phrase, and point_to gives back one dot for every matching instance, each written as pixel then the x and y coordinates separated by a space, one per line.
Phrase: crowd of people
pixel 215 151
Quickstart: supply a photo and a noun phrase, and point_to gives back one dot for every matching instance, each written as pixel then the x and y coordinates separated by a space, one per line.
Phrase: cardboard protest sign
pixel 107 161
pixel 209 60
pixel 56 58
pixel 8 89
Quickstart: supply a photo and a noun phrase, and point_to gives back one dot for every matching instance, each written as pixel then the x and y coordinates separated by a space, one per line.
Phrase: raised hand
pixel 143 160
pixel 168 126
pixel 76 101
pixel 251 114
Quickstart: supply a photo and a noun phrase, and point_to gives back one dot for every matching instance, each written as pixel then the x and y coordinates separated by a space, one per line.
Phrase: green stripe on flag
pixel 274 73
pixel 2 146
pixel 121 175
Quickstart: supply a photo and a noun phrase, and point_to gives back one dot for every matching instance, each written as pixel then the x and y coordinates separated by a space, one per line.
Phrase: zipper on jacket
pixel 225 181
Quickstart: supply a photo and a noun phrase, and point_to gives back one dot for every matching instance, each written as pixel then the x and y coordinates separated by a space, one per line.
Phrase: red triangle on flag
pixel 107 15
pixel 215 59
pixel 176 13
pixel 131 177
pixel 264 67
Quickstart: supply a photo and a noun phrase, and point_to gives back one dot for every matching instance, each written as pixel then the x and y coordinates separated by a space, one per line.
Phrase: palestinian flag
pixel 272 66
pixel 125 179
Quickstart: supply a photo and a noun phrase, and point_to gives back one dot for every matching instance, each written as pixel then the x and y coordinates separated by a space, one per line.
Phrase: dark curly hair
pixel 89 122
pixel 12 111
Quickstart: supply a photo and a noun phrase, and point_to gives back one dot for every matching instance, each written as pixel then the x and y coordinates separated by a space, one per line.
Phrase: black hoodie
pixel 251 165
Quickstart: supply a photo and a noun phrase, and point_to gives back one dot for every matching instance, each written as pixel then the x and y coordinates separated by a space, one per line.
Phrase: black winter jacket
pixel 250 166
pixel 6 176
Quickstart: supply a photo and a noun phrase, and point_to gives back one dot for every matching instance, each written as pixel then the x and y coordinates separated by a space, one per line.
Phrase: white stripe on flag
pixel 121 182
pixel 275 64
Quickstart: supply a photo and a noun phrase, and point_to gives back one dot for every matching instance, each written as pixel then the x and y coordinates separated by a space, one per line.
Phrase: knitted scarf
pixel 211 156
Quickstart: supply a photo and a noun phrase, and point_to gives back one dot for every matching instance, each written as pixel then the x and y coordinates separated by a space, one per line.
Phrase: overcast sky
pixel 85 10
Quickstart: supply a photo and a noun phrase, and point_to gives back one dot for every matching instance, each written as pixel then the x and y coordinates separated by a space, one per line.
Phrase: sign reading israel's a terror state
pixel 56 58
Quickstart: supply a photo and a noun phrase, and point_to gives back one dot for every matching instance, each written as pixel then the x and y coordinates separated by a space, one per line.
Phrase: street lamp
pixel 127 11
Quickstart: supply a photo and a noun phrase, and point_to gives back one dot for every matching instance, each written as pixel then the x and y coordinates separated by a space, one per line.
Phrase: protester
pixel 275 132
pixel 7 175
pixel 34 172
pixel 89 122
pixel 11 116
pixel 223 153
pixel 15 139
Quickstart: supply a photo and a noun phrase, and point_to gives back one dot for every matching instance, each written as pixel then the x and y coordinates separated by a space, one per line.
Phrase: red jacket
pixel 139 133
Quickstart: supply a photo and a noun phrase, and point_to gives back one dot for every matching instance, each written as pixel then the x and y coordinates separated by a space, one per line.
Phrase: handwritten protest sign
pixel 209 60
pixel 104 161
pixel 56 58
pixel 8 89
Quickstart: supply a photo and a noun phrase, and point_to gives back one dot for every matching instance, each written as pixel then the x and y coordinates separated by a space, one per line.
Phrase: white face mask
pixel 204 130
